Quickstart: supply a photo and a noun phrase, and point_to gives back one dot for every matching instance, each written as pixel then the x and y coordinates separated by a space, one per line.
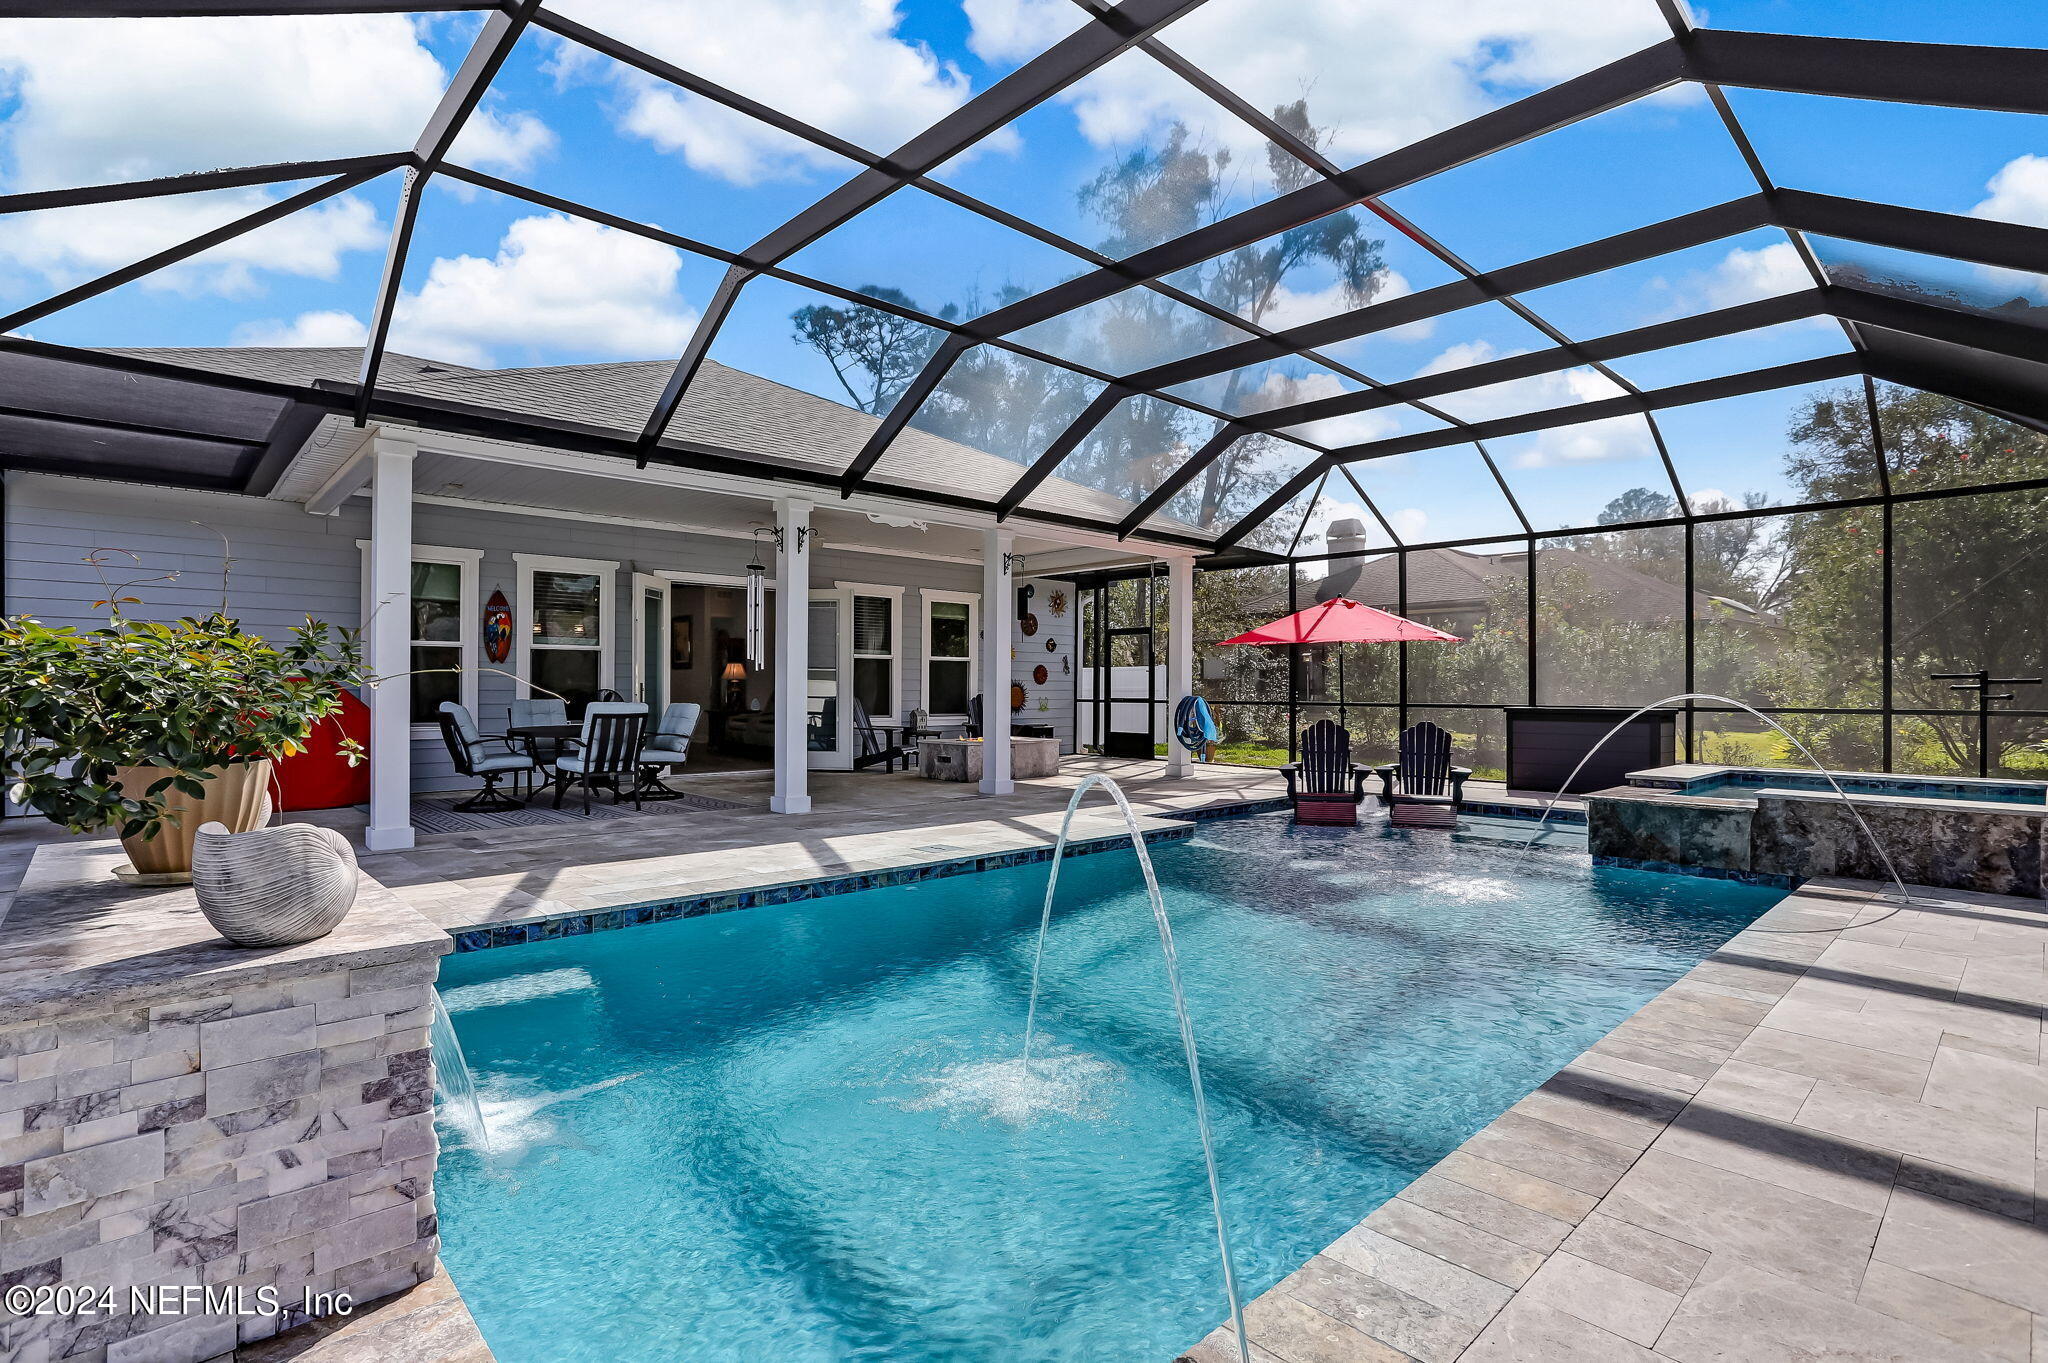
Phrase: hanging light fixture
pixel 757 598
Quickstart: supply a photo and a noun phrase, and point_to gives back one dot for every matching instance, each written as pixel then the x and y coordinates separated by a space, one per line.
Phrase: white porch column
pixel 389 636
pixel 1180 655
pixel 792 656
pixel 998 611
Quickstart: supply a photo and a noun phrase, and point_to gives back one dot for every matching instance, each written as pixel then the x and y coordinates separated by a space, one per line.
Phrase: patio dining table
pixel 533 736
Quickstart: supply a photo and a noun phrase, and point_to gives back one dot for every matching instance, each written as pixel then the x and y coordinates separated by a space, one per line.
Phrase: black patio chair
pixel 877 742
pixel 1326 786
pixel 489 758
pixel 608 753
pixel 1423 789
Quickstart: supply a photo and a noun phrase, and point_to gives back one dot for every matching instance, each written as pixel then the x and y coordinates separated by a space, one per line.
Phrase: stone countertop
pixel 78 940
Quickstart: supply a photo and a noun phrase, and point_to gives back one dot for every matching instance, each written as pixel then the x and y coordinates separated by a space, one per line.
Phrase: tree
pixel 1007 405
pixel 1967 572
pixel 874 353
pixel 1731 558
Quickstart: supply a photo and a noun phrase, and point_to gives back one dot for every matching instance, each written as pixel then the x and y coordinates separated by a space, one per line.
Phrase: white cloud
pixel 1357 428
pixel 2018 193
pixel 307 329
pixel 105 101
pixel 1558 388
pixel 1331 508
pixel 511 141
pixel 1391 71
pixel 100 101
pixel 1288 308
pixel 1409 523
pixel 1014 30
pixel 65 245
pixel 1589 442
pixel 1747 274
pixel 839 65
pixel 555 284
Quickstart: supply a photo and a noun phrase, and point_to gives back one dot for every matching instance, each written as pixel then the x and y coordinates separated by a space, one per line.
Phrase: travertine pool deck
pixel 1827 1141
pixel 861 824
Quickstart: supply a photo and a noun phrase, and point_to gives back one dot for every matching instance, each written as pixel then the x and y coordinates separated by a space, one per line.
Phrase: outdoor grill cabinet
pixel 1545 744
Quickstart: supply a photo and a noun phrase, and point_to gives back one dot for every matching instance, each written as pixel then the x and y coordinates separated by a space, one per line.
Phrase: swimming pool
pixel 793 1133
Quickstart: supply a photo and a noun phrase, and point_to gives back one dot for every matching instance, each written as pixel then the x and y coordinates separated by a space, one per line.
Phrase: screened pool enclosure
pixel 1648 352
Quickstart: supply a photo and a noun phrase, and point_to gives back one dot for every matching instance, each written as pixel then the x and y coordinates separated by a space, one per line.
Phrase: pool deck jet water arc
pixel 1898 883
pixel 1180 1010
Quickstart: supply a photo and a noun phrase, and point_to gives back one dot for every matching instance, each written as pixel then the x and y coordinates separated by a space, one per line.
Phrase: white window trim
pixel 928 597
pixel 607 572
pixel 469 562
pixel 894 595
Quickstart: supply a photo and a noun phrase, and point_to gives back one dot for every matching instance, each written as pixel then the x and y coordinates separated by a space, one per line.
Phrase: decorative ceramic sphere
pixel 273 887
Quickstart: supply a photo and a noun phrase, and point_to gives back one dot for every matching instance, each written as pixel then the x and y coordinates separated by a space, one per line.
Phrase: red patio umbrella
pixel 1343 621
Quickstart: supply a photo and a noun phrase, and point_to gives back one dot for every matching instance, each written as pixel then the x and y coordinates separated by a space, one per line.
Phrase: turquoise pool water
pixel 795 1133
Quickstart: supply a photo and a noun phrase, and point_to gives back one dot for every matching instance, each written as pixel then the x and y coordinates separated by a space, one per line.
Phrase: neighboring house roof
pixel 724 408
pixel 1447 580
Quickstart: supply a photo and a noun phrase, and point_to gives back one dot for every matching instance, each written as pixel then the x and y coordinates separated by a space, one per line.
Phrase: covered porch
pixel 639 542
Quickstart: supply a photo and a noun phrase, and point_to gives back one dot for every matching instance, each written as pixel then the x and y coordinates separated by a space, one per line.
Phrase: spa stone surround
pixel 174 1111
pixel 1786 836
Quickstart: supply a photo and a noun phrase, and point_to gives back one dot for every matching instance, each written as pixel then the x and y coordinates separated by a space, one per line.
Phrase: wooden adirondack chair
pixel 1326 786
pixel 1423 789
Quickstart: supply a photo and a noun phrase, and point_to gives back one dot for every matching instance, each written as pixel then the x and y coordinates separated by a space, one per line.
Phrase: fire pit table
pixel 959 759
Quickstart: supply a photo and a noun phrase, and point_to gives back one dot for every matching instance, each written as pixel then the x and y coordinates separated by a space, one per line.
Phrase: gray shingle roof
pixel 724 408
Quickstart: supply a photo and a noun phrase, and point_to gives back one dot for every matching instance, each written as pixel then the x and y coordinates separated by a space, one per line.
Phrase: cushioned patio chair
pixel 606 754
pixel 668 747
pixel 540 710
pixel 1326 786
pixel 489 758
pixel 1423 789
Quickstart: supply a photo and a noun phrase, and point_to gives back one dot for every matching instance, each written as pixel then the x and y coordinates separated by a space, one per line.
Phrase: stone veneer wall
pixel 1988 848
pixel 245 1131
pixel 1954 844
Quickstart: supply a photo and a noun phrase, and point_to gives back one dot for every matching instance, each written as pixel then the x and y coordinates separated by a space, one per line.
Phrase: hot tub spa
pixel 1782 827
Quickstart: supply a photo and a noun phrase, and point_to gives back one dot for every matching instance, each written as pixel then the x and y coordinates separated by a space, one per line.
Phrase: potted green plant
pixel 156 728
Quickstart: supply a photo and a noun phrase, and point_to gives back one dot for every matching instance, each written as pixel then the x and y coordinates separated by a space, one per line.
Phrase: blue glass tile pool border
pixel 698 906
pixel 1563 814
pixel 1770 880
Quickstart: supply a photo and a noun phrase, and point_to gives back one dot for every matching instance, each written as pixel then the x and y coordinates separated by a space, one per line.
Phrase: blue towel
pixel 1195 726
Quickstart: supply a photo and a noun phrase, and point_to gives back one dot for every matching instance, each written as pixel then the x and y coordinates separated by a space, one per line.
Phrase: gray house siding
pixel 1052 701
pixel 288 565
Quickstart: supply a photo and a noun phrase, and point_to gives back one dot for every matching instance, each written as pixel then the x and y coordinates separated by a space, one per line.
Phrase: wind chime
pixel 757 599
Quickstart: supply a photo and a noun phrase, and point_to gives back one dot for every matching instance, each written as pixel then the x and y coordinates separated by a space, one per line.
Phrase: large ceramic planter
pixel 237 798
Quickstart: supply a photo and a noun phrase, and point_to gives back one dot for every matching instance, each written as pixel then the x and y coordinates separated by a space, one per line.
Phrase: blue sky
pixel 495 282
